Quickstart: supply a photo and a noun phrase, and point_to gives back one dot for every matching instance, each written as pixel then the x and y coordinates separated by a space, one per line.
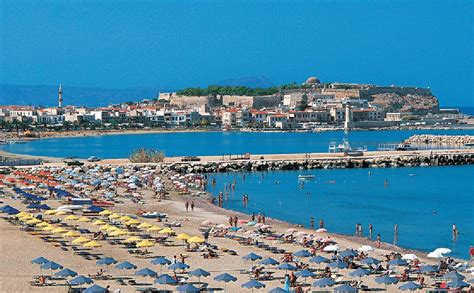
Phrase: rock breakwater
pixel 447 140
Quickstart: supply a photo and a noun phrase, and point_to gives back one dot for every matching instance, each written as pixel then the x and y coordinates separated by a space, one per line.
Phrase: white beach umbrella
pixel 365 248
pixel 291 230
pixel 331 248
pixel 321 230
pixel 435 254
pixel 443 250
pixel 409 256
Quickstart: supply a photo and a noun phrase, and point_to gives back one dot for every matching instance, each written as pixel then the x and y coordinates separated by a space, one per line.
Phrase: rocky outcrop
pixel 416 104
pixel 338 163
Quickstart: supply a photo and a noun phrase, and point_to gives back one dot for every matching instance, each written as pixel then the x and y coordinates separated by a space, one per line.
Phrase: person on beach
pixel 231 221
pixel 379 240
pixel 357 229
pixel 395 234
pixel 253 217
pixel 263 218
pixel 192 205
pixel 321 224
pixel 455 232
pixel 371 229
pixel 186 206
pixel 311 222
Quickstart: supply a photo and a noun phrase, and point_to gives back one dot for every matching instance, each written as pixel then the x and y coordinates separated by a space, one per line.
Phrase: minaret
pixel 60 96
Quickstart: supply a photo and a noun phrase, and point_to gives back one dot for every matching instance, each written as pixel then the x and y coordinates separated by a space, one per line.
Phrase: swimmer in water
pixel 434 213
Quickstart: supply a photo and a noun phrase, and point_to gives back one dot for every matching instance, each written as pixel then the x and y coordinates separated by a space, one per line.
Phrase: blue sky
pixel 121 44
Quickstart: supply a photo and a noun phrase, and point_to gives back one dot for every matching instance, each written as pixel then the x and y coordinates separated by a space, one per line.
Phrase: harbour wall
pixel 392 161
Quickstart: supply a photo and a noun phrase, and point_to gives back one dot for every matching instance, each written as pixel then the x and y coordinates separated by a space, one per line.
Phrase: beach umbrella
pixel 105 227
pixel 331 248
pixel 199 273
pixel 348 253
pixel 196 239
pixel 287 267
pixel 411 286
pixel 398 262
pixel 360 272
pixel 112 228
pixel 81 280
pixel 126 218
pixel 66 273
pixel 153 229
pixel 337 264
pixel 409 256
pixel 50 212
pixel 318 259
pixel 435 254
pixel 226 278
pixel 94 289
pixel 183 236
pixel 365 248
pixel 345 289
pixel 302 253
pixel 42 224
pixel 146 272
pixel 161 261
pixel 71 218
pixel 39 260
pixel 370 261
pixel 428 269
pixel 80 239
pixel 386 280
pixel 269 261
pixel 252 256
pixel 305 274
pixel 324 282
pixel 443 250
pixel 453 276
pixel 166 230
pixel 51 265
pixel 132 222
pixel 144 225
pixel 98 223
pixel 105 213
pixel 106 261
pixel 188 288
pixel 92 243
pixel 253 284
pixel 165 279
pixel 178 266
pixel 72 234
pixel 33 221
pixel 278 290
pixel 114 216
pixel 321 230
pixel 118 233
pixel 132 239
pixel 126 266
pixel 471 281
pixel 145 243
pixel 59 230
pixel 457 283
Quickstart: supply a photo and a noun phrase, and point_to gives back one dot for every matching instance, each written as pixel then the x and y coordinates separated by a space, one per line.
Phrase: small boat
pixel 306 177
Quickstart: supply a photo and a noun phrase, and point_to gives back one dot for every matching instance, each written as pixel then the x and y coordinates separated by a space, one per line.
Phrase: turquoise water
pixel 424 202
pixel 211 143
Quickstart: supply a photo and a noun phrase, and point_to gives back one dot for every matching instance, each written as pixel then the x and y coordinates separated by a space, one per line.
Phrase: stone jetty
pixel 383 161
pixel 444 140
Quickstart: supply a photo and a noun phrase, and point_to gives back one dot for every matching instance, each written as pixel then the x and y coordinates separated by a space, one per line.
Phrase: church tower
pixel 60 96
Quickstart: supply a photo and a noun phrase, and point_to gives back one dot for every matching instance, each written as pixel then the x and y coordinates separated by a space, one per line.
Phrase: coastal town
pixel 310 106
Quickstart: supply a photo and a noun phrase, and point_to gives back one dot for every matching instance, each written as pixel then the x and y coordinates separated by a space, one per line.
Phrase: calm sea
pixel 211 143
pixel 424 202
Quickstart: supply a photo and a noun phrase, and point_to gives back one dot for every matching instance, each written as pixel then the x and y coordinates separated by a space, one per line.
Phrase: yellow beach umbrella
pixel 105 227
pixel 144 225
pixel 72 234
pixel 98 223
pixel 50 212
pixel 105 213
pixel 125 218
pixel 59 230
pixel 26 218
pixel 83 219
pixel 132 222
pixel 166 231
pixel 33 221
pixel 49 228
pixel 196 239
pixel 183 236
pixel 43 224
pixel 80 239
pixel 114 216
pixel 60 213
pixel 22 214
pixel 113 228
pixel 153 229
pixel 118 233
pixel 71 218
pixel 92 243
pixel 132 239
pixel 145 243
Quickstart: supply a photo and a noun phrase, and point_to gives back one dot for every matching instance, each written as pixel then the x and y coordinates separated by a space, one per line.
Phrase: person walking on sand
pixel 371 229
pixel 311 222
pixel 187 206
pixel 379 240
pixel 321 224
pixel 192 206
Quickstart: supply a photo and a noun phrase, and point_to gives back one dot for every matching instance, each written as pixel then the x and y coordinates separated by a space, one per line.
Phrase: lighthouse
pixel 348 120
pixel 60 96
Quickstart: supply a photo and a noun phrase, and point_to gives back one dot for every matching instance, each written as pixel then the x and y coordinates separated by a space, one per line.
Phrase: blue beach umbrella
pixel 318 259
pixel 411 286
pixel 287 267
pixel 305 274
pixel 253 284
pixel 453 276
pixel 106 261
pixel 178 266
pixel 302 253
pixel 40 260
pixel 386 280
pixel 348 253
pixel 66 273
pixel 226 278
pixel 165 279
pixel 126 266
pixel 360 272
pixel 160 261
pixel 278 290
pixel 370 261
pixel 146 272
pixel 457 283
pixel 187 288
pixel 324 282
pixel 345 289
pixel 398 262
pixel 269 261
pixel 252 256
pixel 94 289
pixel 51 266
pixel 428 269
pixel 199 273
pixel 337 264
pixel 81 280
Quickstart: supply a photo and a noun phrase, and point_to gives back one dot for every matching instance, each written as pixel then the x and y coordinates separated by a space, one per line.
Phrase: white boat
pixel 304 177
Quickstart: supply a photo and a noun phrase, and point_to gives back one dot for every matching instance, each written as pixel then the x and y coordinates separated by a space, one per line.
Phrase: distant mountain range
pixel 47 95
